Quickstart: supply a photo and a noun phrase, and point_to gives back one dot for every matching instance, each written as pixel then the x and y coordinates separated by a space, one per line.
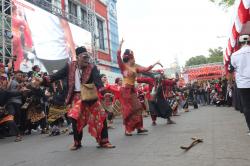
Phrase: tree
pixel 226 3
pixel 197 60
pixel 215 52
pixel 215 55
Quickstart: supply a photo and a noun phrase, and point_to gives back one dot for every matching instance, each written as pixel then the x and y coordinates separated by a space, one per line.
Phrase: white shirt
pixel 77 80
pixel 240 60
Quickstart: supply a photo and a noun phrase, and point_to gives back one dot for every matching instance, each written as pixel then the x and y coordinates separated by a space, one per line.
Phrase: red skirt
pixel 93 116
pixel 131 109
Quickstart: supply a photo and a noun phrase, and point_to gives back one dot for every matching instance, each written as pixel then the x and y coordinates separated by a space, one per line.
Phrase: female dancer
pixel 131 107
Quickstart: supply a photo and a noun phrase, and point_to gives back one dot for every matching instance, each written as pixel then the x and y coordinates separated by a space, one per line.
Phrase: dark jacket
pixel 90 74
pixel 5 95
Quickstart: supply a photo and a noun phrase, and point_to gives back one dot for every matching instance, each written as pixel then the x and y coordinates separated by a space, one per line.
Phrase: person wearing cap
pixel 240 60
pixel 131 107
pixel 83 113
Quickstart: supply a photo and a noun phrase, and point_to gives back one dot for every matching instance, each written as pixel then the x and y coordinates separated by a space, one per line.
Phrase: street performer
pixel 84 107
pixel 157 97
pixel 131 106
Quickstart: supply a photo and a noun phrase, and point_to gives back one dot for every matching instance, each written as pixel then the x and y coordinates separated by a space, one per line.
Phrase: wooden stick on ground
pixel 195 141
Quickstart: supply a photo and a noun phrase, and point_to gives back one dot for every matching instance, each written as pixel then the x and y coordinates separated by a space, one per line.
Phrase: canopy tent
pixel 241 26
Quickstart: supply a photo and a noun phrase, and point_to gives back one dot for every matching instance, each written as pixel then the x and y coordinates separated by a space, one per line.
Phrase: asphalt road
pixel 223 130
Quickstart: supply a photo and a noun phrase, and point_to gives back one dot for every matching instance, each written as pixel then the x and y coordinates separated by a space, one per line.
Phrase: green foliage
pixel 215 55
pixel 197 60
pixel 226 3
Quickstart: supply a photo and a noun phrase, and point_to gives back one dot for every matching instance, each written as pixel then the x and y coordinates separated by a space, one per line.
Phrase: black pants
pixel 110 115
pixel 244 97
pixel 78 136
pixel 11 125
pixel 237 100
pixel 67 119
pixel 15 110
pixel 185 106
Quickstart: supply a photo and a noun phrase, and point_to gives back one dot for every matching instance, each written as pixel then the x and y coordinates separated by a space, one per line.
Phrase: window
pixel 100 33
pixel 57 3
pixel 45 4
pixel 72 10
pixel 83 15
pixel 57 7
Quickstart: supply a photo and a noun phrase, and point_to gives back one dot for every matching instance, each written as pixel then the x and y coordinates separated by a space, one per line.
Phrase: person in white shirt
pixel 240 60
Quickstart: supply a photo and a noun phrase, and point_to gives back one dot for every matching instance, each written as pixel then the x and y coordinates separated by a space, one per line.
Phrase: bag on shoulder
pixel 89 92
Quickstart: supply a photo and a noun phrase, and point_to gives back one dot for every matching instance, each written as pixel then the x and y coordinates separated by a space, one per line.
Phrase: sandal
pixel 75 147
pixel 106 146
pixel 140 131
pixel 128 134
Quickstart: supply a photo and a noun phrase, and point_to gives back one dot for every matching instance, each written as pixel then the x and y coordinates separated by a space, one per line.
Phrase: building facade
pixel 112 69
pixel 98 17
pixel 106 37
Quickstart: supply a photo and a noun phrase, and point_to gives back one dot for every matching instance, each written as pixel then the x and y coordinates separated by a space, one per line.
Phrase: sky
pixel 168 29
